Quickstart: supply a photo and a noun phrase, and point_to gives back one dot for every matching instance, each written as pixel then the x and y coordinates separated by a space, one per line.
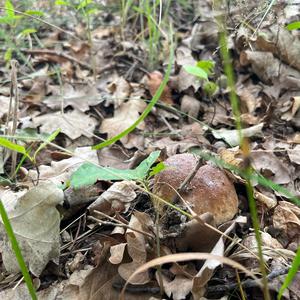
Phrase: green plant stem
pixel 255 222
pixel 228 68
pixel 17 251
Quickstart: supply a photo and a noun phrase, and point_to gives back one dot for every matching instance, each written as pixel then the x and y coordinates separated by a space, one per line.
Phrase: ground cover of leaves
pixel 84 230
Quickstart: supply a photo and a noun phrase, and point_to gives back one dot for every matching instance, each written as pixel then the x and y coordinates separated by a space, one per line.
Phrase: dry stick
pixel 14 112
pixel 117 223
pixel 187 180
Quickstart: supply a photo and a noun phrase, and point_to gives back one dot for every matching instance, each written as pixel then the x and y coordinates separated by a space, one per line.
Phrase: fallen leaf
pixel 294 154
pixel 191 106
pixel 73 123
pixel 271 167
pixel 123 118
pixel 154 80
pixel 117 198
pixel 35 221
pixel 232 136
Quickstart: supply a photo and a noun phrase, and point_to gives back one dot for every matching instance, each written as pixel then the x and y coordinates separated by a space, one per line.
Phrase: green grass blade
pixel 146 111
pixel 17 251
pixel 48 140
pixel 12 146
pixel 291 274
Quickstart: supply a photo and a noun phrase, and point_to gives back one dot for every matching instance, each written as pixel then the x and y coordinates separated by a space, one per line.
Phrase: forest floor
pixel 134 164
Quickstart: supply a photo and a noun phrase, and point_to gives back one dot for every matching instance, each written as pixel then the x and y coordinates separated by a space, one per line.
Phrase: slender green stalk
pixel 228 68
pixel 291 274
pixel 17 251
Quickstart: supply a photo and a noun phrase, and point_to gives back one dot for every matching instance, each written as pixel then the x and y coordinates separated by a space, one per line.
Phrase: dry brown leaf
pixel 124 117
pixel 191 106
pixel 287 218
pixel 73 123
pixel 178 288
pixel 271 167
pixel 117 253
pixel 35 221
pixel 120 90
pixel 77 97
pixel 136 248
pixel 115 199
pixel 154 80
pixel 275 39
pixel 294 154
pixel 271 70
pixel 61 171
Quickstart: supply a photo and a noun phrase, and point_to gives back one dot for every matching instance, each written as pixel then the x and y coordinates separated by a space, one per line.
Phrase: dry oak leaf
pixel 154 80
pixel 123 117
pixel 73 123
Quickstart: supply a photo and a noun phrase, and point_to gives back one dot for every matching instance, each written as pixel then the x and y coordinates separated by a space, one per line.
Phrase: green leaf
pixel 209 88
pixel 196 71
pixel 12 146
pixel 88 173
pixel 61 2
pixel 206 65
pixel 293 25
pixel 83 4
pixel 157 169
pixel 34 13
pixel 6 20
pixel 291 274
pixel 28 31
pixel 8 54
pixel 9 9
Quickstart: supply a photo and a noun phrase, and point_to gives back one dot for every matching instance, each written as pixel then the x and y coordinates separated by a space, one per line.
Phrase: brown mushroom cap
pixel 209 191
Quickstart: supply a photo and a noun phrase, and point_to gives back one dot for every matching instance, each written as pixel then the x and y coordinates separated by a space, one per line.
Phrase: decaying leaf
pixel 232 136
pixel 73 123
pixel 35 222
pixel 116 199
pixel 123 118
pixel 136 248
pixel 154 80
pixel 271 167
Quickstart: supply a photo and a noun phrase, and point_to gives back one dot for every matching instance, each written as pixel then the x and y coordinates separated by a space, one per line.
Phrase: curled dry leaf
pixel 232 136
pixel 286 218
pixel 116 199
pixel 120 90
pixel 136 248
pixel 35 221
pixel 209 191
pixel 154 80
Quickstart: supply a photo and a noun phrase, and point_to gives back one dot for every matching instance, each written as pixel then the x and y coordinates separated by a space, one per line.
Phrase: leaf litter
pixel 87 220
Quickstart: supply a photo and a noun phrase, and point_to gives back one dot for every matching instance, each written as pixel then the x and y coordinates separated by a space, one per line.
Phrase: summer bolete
pixel 210 190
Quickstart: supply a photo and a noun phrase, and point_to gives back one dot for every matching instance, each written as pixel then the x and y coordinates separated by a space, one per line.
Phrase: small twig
pixel 120 224
pixel 183 186
pixel 14 111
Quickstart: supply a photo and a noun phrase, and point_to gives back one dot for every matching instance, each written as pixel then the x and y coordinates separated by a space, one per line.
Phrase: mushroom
pixel 210 190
